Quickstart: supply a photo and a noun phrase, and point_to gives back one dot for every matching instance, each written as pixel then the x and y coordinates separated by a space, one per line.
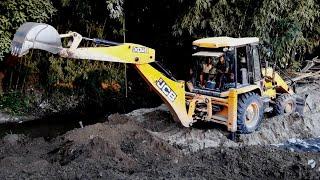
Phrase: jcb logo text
pixel 140 49
pixel 166 90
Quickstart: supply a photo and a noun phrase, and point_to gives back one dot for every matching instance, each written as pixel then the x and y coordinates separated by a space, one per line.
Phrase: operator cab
pixel 221 63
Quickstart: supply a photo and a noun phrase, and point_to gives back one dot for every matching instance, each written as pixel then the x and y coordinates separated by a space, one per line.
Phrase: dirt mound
pixel 280 129
pixel 121 148
pixel 114 149
pixel 257 162
pixel 273 130
pixel 313 99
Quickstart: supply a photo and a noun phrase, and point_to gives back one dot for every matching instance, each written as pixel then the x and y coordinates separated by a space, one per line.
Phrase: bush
pixel 15 103
pixel 16 12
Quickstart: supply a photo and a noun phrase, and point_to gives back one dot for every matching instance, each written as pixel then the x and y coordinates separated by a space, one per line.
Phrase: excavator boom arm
pixel 45 37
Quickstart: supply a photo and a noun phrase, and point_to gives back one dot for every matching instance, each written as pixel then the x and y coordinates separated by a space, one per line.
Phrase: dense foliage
pixel 287 26
pixel 289 29
pixel 91 18
pixel 15 12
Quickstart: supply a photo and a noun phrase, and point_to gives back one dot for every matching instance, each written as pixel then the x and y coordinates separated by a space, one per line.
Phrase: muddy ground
pixel 147 144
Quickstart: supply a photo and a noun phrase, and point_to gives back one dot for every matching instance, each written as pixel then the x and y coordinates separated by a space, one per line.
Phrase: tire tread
pixel 243 101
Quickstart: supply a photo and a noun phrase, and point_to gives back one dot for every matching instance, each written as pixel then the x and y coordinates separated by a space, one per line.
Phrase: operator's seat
pixel 204 91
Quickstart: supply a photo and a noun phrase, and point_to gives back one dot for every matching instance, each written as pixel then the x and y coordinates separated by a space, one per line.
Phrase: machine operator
pixel 222 71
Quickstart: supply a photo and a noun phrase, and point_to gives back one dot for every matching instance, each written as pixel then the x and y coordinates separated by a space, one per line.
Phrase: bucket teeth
pixel 32 35
pixel 15 49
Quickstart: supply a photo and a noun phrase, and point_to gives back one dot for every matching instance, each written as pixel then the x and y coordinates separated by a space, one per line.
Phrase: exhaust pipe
pixel 32 35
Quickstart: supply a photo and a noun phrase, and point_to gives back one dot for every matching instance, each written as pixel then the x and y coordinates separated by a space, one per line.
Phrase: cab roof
pixel 218 42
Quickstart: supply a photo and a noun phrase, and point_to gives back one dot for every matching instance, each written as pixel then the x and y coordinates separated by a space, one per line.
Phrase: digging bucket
pixel 32 35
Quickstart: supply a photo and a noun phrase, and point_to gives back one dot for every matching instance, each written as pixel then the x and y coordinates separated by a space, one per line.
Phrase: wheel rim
pixel 288 108
pixel 252 115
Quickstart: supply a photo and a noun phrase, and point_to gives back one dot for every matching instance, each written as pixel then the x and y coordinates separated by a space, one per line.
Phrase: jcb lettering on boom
pixel 166 90
pixel 140 50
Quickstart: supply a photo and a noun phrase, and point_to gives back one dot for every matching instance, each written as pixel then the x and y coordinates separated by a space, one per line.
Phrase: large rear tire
pixel 250 113
pixel 285 104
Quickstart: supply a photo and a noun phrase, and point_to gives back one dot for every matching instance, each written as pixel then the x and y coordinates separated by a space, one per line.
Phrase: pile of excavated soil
pixel 146 143
pixel 273 130
pixel 122 148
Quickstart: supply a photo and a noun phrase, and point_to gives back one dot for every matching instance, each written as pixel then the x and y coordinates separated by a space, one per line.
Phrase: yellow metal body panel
pixel 246 89
pixel 241 90
pixel 268 84
pixel 224 112
pixel 226 116
pixel 276 81
pixel 171 92
pixel 232 110
pixel 125 53
pixel 217 42
pixel 269 90
pixel 272 93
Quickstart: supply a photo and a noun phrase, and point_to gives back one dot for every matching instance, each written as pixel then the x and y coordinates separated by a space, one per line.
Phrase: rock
pixel 12 139
pixel 312 163
pixel 5 117
pixel 36 166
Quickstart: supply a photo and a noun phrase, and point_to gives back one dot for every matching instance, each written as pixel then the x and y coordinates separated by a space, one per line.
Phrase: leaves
pixel 284 25
pixel 115 8
pixel 16 12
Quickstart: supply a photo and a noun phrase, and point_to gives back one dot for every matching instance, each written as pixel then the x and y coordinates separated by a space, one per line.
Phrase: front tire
pixel 250 113
pixel 285 104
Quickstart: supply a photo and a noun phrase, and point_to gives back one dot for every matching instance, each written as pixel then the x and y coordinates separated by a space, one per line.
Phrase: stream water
pixel 301 145
pixel 50 127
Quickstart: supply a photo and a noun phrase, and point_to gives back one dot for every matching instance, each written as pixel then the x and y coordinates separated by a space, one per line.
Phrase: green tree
pixel 96 19
pixel 287 26
pixel 15 12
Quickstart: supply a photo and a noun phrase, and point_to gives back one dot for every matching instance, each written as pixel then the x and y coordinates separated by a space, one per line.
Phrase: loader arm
pixel 276 81
pixel 45 37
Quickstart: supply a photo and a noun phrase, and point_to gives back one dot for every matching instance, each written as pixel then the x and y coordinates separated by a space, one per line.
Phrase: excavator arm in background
pixel 44 37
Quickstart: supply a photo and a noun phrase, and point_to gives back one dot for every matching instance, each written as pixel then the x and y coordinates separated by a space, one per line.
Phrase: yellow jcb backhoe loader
pixel 247 91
